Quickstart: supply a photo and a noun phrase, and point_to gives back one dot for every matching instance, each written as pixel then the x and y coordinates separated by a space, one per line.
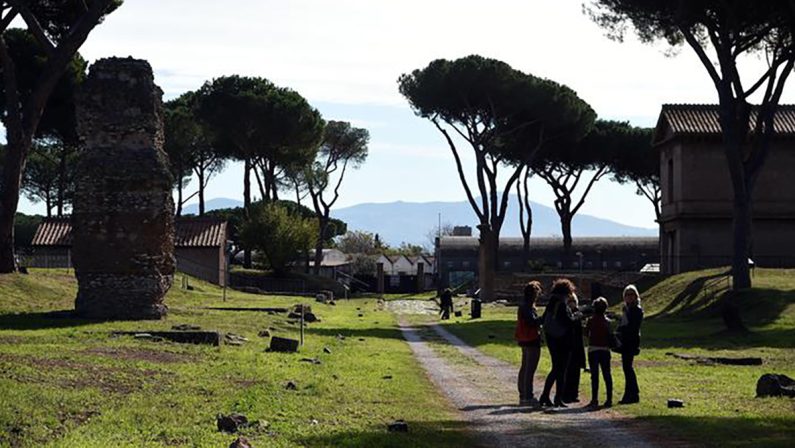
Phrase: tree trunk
pixel 486 271
pixel 9 198
pixel 247 205
pixel 741 227
pixel 179 197
pixel 200 175
pixel 61 181
pixel 318 255
pixel 565 227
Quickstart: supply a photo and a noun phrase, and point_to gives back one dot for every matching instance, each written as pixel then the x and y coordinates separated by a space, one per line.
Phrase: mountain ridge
pixel 415 222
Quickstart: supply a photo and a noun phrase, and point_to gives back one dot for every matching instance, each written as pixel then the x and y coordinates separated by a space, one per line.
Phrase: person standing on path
pixel 598 332
pixel 571 394
pixel 446 304
pixel 529 339
pixel 557 331
pixel 629 335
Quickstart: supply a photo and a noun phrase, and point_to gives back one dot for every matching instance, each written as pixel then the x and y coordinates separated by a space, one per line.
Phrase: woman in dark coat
pixel 529 339
pixel 629 335
pixel 557 332
pixel 571 394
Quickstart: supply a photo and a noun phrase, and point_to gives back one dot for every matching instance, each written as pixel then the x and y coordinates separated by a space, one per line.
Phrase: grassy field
pixel 720 408
pixel 69 383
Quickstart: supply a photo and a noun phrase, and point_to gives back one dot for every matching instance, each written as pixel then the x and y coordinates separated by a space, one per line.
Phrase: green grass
pixel 720 404
pixel 69 383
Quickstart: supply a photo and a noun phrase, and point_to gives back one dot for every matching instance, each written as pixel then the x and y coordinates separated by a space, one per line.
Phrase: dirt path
pixel 484 391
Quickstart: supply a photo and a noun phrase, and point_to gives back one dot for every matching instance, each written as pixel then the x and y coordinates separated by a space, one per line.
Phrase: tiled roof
pixel 200 232
pixel 190 232
pixel 53 232
pixel 702 120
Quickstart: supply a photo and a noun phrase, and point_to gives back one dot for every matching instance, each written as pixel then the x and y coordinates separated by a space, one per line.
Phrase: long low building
pixel 199 243
pixel 457 256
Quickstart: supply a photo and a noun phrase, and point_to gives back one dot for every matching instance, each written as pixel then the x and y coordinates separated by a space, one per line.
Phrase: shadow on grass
pixel 41 320
pixel 421 434
pixel 729 431
pixel 695 295
pixel 370 332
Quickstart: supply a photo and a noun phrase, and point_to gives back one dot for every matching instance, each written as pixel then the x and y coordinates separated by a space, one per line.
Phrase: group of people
pixel 565 327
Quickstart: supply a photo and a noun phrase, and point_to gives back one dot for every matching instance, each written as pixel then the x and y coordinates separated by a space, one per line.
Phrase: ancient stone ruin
pixel 123 213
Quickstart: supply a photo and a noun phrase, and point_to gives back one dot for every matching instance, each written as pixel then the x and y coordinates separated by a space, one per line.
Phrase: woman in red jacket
pixel 528 337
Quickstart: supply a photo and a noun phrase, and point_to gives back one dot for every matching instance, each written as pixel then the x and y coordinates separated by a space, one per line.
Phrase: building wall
pixel 206 263
pixel 453 262
pixel 696 224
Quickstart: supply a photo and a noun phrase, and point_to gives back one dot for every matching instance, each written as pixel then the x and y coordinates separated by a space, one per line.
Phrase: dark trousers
pixel 530 357
pixel 559 351
pixel 446 310
pixel 631 391
pixel 572 391
pixel 600 359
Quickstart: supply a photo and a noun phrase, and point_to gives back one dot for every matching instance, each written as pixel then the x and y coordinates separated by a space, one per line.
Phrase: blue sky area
pixel 345 57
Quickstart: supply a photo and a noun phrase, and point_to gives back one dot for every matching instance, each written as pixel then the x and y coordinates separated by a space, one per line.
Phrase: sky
pixel 345 57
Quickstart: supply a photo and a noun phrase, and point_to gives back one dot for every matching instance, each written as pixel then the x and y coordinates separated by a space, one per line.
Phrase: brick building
pixel 696 222
pixel 200 246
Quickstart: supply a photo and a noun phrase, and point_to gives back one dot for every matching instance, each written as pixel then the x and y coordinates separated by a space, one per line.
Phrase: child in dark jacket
pixel 598 331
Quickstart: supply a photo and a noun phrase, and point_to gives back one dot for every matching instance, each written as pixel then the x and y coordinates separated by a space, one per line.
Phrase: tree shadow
pixel 744 431
pixel 695 295
pixel 42 320
pixel 420 434
pixel 354 333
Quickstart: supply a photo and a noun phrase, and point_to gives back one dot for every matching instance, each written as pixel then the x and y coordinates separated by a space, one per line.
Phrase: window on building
pixel 465 264
pixel 506 264
pixel 394 280
pixel 449 264
pixel 618 264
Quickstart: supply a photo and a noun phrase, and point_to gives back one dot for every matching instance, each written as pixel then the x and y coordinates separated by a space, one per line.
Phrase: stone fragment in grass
pixel 675 403
pixel 361 339
pixel 775 385
pixel 287 345
pixel 264 334
pixel 340 337
pixel 241 442
pixel 235 339
pixel 331 302
pixel 745 361
pixel 311 360
pixel 458 314
pixel 230 423
pixel 398 426
pixel 313 422
pixel 186 337
pixel 186 327
pixel 326 350
pixel 361 315
pixel 291 385
pixel 387 377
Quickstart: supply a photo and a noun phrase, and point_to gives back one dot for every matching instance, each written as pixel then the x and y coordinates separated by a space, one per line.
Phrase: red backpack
pixel 524 331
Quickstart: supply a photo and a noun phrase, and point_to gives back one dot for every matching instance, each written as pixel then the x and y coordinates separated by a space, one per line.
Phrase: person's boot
pixel 545 401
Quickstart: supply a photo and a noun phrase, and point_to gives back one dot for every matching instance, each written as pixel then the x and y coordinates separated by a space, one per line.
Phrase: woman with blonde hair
pixel 528 337
pixel 629 335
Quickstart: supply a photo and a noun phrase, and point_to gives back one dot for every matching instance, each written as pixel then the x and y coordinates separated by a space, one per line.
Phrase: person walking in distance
pixel 446 304
pixel 557 324
pixel 529 339
pixel 598 332
pixel 629 335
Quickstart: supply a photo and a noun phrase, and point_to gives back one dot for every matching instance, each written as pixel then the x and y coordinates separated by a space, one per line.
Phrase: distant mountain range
pixel 413 222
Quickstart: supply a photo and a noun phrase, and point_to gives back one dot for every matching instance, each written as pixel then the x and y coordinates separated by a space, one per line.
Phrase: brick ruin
pixel 123 213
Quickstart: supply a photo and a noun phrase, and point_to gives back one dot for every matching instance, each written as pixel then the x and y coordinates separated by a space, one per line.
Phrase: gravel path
pixel 485 394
